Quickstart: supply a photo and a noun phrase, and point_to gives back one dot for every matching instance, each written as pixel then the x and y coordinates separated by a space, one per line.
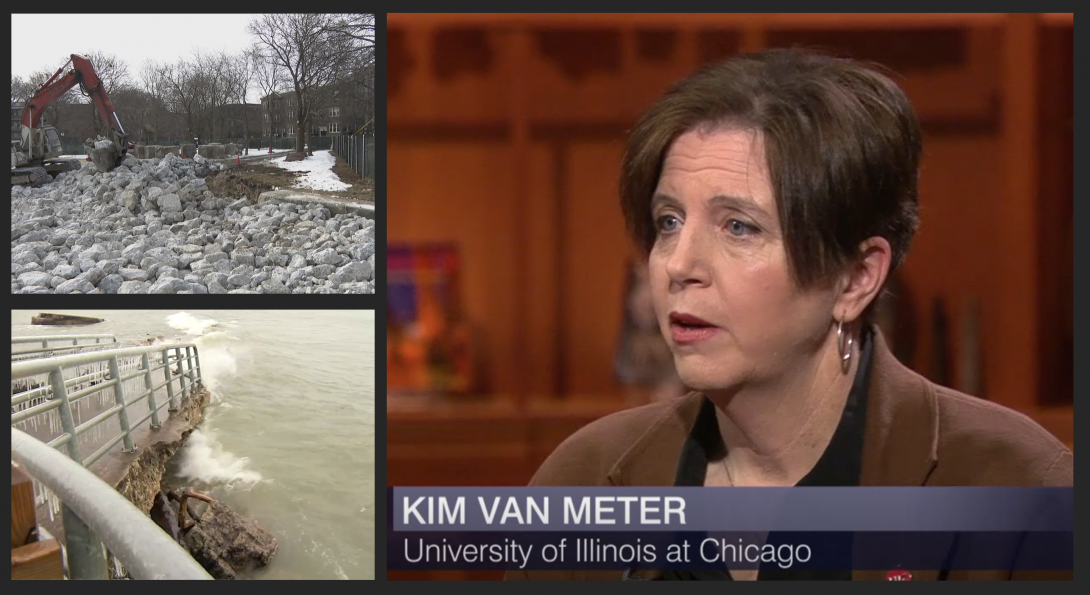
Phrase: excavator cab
pixel 34 160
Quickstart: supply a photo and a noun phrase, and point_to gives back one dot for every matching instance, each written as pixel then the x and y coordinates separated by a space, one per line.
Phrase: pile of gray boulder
pixel 152 226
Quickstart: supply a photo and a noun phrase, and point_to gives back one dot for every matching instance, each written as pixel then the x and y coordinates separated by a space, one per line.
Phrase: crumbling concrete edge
pixel 337 207
pixel 144 476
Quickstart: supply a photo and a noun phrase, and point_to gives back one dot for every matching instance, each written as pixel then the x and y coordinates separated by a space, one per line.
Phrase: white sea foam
pixel 204 459
pixel 190 324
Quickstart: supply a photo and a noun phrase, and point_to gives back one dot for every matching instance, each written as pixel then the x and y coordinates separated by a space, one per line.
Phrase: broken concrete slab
pixel 167 150
pixel 232 149
pixel 104 155
pixel 213 151
pixel 337 206
pixel 189 150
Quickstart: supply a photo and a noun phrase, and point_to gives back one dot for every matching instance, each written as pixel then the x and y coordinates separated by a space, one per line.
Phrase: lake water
pixel 289 438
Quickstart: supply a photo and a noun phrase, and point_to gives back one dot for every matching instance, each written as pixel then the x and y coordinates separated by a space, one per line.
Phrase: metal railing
pixel 142 546
pixel 101 341
pixel 359 151
pixel 45 394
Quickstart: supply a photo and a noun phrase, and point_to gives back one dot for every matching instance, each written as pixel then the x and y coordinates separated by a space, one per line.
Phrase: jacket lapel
pixel 900 441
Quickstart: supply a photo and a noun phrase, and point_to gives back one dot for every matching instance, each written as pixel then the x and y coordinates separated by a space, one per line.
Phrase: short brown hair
pixel 842 143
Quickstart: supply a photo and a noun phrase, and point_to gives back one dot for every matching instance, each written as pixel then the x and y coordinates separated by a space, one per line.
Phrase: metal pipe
pixel 200 375
pixel 61 393
pixel 170 383
pixel 119 396
pixel 189 369
pixel 39 366
pixel 35 338
pixel 146 361
pixel 86 558
pixel 141 545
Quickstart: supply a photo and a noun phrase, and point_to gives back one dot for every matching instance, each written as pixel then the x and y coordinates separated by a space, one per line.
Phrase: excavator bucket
pixel 106 154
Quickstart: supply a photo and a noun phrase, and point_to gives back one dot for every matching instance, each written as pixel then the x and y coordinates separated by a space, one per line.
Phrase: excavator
pixel 35 158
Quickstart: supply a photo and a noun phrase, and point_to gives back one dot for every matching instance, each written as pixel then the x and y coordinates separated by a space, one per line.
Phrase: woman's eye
pixel 668 223
pixel 738 228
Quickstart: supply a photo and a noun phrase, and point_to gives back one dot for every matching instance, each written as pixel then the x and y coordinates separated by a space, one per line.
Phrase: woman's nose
pixel 687 260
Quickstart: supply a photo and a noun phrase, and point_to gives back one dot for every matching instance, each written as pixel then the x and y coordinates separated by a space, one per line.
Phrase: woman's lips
pixel 686 329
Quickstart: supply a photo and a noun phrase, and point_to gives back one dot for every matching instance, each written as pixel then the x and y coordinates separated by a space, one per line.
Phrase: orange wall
pixel 507 140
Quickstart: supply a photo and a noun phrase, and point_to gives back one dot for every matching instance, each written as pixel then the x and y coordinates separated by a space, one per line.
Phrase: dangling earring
pixel 844 345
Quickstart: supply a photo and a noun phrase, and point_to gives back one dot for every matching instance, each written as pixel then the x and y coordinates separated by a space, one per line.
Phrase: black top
pixel 840 465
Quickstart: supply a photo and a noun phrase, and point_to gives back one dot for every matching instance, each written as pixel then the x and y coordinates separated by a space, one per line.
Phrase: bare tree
pixel 21 89
pixel 151 80
pixel 270 79
pixel 240 72
pixel 216 86
pixel 359 27
pixel 310 49
pixel 182 84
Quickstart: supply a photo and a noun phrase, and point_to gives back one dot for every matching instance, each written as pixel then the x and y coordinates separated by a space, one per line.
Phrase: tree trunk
pixel 301 128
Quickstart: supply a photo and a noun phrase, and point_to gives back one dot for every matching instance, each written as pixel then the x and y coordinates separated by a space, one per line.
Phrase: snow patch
pixel 318 170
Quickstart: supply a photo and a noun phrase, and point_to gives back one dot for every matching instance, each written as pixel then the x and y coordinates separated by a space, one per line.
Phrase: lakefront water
pixel 289 438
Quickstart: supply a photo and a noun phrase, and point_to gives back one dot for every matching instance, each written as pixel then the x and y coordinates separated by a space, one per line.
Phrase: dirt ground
pixel 253 179
pixel 362 188
pixel 249 180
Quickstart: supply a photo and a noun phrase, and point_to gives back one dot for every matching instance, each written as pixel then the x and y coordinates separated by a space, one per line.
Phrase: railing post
pixel 146 362
pixel 183 372
pixel 56 379
pixel 192 369
pixel 170 382
pixel 86 557
pixel 200 373
pixel 45 344
pixel 119 397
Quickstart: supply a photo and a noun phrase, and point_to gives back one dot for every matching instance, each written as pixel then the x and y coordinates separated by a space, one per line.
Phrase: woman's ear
pixel 864 279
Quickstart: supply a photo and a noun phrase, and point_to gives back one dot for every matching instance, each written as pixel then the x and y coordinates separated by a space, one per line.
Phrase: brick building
pixel 232 122
pixel 279 114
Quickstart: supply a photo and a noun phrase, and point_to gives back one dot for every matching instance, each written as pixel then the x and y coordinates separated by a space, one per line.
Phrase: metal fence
pixel 359 151
pixel 80 343
pixel 102 513
pixel 317 143
pixel 51 398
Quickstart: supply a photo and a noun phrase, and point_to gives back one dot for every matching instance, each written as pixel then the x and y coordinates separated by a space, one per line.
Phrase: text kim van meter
pixel 510 510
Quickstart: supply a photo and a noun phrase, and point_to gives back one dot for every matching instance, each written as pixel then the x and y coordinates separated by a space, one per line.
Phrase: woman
pixel 773 195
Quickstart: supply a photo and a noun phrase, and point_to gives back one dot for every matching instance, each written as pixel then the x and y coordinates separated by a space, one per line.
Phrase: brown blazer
pixel 917 434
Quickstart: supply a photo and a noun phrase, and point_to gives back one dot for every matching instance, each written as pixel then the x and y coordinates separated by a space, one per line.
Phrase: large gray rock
pixel 226 544
pixel 170 203
pixel 129 199
pixel 133 274
pixel 59 237
pixel 67 271
pixel 273 286
pixel 133 287
pixel 111 283
pixel 38 278
pixel 164 256
pixel 327 256
pixel 168 285
pixel 356 271
pixel 77 285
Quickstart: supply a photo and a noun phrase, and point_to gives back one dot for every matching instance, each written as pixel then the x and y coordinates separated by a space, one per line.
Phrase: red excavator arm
pixel 83 74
